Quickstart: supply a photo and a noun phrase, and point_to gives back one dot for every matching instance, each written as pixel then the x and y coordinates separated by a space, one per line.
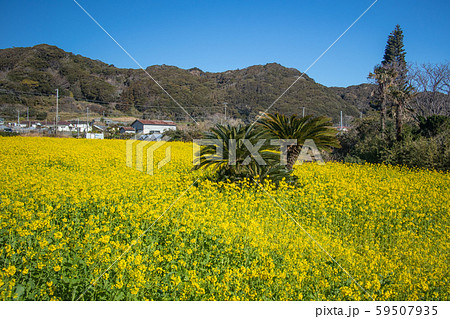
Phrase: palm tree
pixel 319 129
pixel 385 78
pixel 401 95
pixel 236 163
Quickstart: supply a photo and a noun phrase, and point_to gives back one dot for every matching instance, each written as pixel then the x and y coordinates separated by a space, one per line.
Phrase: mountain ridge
pixel 36 72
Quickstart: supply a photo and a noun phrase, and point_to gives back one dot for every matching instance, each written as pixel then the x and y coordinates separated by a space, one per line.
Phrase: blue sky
pixel 223 35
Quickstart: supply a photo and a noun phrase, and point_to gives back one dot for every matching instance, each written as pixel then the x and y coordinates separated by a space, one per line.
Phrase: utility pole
pixel 78 128
pixel 28 117
pixel 57 96
pixel 303 111
pixel 341 121
pixel 225 104
pixel 18 118
pixel 87 120
pixel 56 117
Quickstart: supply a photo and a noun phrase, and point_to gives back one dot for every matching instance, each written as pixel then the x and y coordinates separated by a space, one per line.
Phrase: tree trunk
pixel 293 152
pixel 399 121
pixel 383 116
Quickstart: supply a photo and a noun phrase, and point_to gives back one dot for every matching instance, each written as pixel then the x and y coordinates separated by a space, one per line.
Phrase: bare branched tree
pixel 432 82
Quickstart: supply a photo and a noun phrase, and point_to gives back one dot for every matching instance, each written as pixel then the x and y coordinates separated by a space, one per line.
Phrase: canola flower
pixel 69 208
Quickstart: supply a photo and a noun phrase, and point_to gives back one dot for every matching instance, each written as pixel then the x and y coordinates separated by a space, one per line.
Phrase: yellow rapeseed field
pixel 69 208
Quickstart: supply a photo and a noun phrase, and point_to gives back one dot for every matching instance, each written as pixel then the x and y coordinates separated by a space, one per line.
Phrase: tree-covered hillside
pixel 30 76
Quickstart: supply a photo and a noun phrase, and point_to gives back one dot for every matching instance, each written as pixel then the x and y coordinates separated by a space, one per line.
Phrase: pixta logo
pixel 308 151
pixel 141 154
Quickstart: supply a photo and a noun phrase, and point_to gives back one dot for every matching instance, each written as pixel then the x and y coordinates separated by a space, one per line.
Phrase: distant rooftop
pixel 156 122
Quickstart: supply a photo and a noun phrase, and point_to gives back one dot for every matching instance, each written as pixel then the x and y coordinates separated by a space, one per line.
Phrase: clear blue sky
pixel 223 35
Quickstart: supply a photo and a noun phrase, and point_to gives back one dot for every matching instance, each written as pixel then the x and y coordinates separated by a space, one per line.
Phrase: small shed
pixel 127 130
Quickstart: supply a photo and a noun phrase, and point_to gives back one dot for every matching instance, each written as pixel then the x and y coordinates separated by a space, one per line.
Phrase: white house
pixel 64 126
pixel 154 126
pixel 33 124
pixel 80 125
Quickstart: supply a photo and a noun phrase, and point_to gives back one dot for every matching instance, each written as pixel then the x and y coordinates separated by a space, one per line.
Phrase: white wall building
pixel 154 126
pixel 95 136
pixel 81 126
pixel 64 126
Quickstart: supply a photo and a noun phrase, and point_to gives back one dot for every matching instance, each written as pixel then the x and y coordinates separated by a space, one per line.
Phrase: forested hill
pixel 30 76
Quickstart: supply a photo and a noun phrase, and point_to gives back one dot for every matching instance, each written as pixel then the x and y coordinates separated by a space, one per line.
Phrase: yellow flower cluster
pixel 70 208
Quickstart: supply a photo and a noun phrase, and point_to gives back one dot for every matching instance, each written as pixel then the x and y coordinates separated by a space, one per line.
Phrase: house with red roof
pixel 127 130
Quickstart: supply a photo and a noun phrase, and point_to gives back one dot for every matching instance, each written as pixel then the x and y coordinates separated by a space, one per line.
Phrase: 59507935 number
pixel 406 310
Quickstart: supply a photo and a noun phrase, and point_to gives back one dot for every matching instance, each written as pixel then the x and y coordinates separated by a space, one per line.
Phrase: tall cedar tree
pixel 394 55
pixel 400 91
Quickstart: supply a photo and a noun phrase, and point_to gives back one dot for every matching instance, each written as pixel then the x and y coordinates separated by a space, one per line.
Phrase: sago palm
pixel 319 129
pixel 236 163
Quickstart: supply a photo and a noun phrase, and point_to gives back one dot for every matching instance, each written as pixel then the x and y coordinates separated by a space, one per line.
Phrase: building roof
pixel 32 122
pixel 63 123
pixel 156 122
pixel 127 128
pixel 77 122
pixel 100 127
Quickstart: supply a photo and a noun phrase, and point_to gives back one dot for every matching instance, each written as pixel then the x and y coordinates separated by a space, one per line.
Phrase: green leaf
pixel 19 291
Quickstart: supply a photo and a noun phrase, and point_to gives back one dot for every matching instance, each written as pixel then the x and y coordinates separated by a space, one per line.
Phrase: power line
pixel 11 92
